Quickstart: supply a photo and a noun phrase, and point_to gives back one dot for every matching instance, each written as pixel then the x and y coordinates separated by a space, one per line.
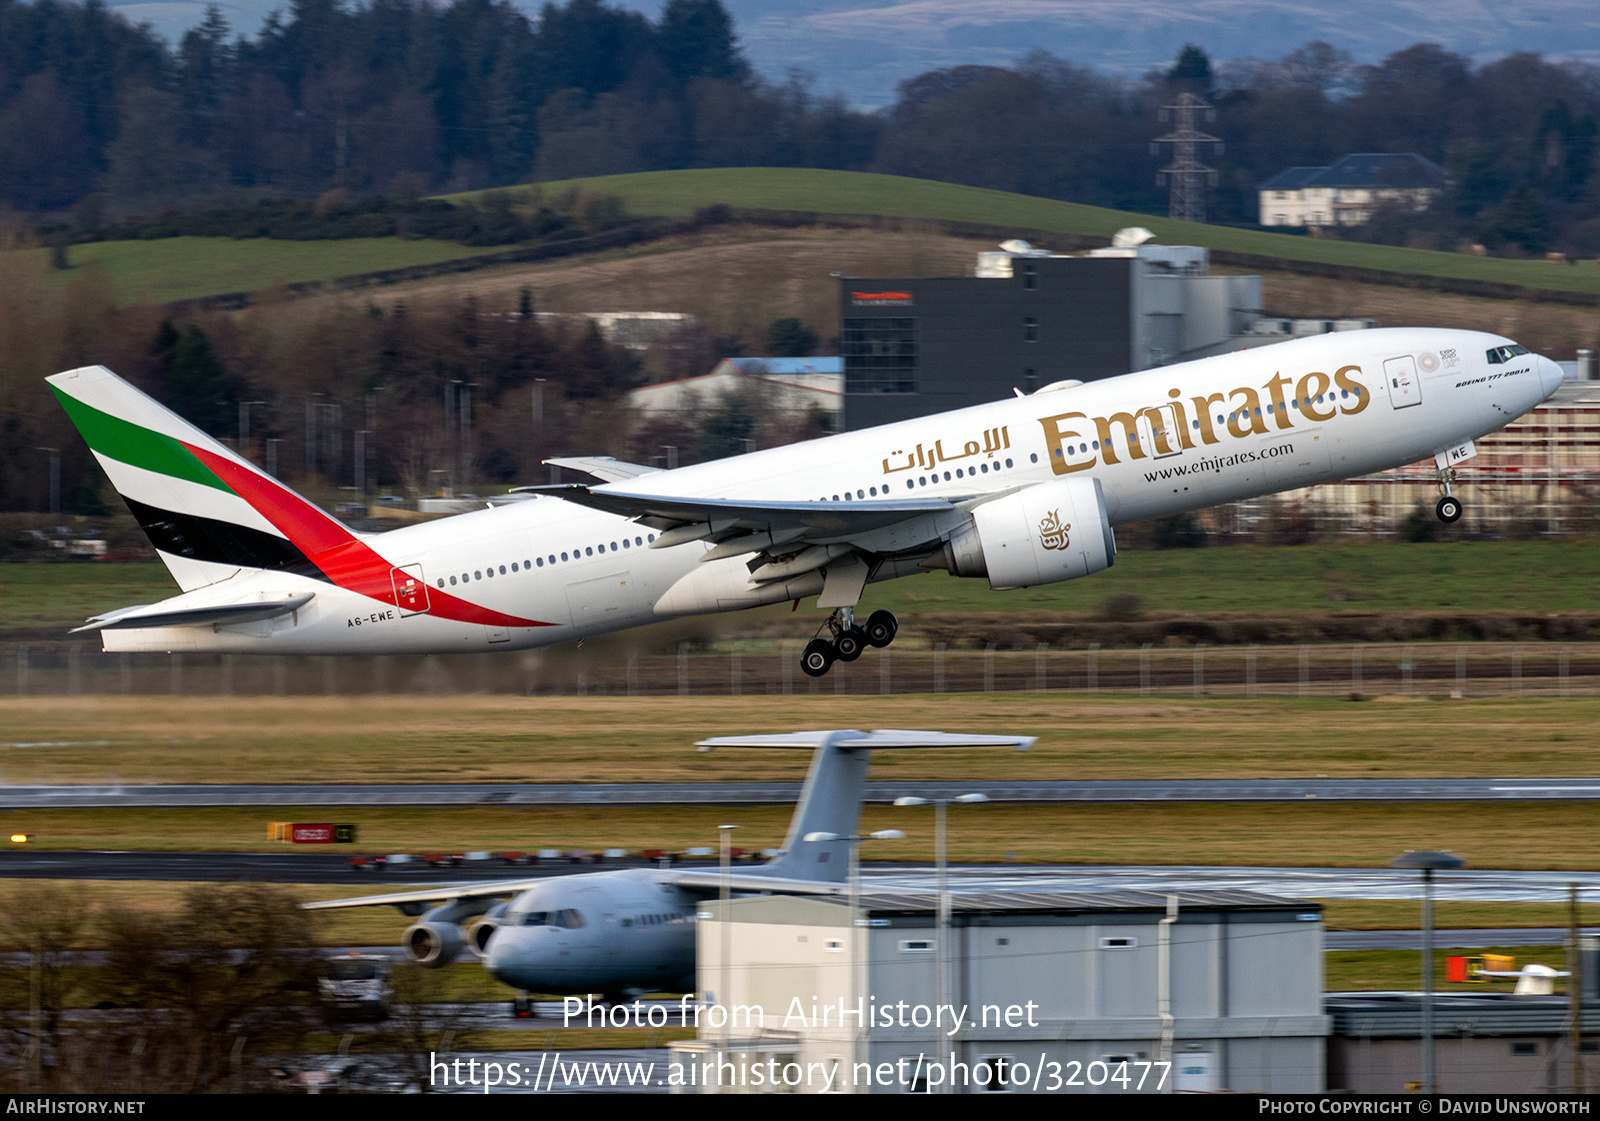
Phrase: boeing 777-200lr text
pixel 1023 492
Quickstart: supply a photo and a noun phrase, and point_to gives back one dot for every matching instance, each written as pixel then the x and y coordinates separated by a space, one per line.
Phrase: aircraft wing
pixel 723 518
pixel 702 879
pixel 487 889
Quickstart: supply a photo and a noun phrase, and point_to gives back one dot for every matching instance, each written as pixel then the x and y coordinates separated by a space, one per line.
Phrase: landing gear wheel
pixel 850 643
pixel 1449 509
pixel 817 658
pixel 881 628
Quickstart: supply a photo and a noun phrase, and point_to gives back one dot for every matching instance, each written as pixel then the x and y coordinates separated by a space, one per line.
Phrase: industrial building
pixel 789 385
pixel 1483 1043
pixel 1123 991
pixel 1028 318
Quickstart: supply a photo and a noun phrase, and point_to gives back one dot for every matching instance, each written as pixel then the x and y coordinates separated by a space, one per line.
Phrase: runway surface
pixel 779 793
pixel 1469 884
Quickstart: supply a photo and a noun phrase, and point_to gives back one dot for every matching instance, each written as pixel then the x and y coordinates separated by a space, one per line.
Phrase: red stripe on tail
pixel 339 554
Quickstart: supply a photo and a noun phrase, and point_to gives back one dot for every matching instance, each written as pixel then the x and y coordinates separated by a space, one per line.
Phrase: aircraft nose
pixel 1550 376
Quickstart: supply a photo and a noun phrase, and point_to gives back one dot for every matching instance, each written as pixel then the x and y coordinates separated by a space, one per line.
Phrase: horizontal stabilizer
pixel 881 738
pixel 148 615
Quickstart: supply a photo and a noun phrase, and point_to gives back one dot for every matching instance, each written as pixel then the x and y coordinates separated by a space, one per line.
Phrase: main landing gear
pixel 1449 507
pixel 849 640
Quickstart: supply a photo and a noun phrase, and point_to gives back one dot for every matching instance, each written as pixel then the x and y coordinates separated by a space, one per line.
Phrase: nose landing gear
pixel 849 640
pixel 1449 508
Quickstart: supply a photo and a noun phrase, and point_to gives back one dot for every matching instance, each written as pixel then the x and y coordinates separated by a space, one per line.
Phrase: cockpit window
pixel 567 917
pixel 1498 355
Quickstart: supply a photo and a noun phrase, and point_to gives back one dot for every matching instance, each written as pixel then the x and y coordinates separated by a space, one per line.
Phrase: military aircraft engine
pixel 1053 531
pixel 479 933
pixel 433 943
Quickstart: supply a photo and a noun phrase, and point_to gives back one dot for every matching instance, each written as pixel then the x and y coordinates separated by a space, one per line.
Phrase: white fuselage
pixel 1159 442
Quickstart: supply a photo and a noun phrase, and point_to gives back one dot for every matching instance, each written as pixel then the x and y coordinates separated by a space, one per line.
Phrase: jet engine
pixel 1050 532
pixel 436 938
pixel 433 943
pixel 479 933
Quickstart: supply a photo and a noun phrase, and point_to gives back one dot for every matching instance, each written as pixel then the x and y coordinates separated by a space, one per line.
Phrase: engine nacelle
pixel 433 943
pixel 1047 533
pixel 479 933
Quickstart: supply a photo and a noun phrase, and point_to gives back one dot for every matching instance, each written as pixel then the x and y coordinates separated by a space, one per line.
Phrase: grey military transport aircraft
pixel 631 931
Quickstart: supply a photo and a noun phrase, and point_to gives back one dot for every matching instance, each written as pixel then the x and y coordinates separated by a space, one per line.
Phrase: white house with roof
pixel 1347 193
pixel 794 385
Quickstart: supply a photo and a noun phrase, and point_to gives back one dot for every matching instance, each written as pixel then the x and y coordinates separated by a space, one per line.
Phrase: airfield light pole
pixel 244 426
pixel 726 895
pixel 858 925
pixel 55 479
pixel 1427 861
pixel 942 928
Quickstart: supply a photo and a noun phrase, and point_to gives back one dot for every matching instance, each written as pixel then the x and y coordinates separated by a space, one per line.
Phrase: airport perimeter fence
pixel 67 668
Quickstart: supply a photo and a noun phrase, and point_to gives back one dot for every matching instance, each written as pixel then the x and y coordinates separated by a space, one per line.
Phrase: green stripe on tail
pixel 139 447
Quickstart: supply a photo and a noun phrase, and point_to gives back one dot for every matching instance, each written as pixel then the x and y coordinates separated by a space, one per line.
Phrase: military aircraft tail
pixel 830 801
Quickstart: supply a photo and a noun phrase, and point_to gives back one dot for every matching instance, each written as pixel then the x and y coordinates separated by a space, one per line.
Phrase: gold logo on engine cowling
pixel 1052 534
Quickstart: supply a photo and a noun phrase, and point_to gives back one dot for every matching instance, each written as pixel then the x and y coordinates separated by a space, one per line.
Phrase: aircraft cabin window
pixel 947 476
pixel 588 552
pixel 452 581
pixel 1033 457
pixel 540 562
pixel 602 548
pixel 640 540
pixel 563 556
pixel 527 564
pixel 652 537
pixel 861 494
pixel 491 573
pixel 513 567
pixel 441 582
pixel 1008 464
pixel 502 570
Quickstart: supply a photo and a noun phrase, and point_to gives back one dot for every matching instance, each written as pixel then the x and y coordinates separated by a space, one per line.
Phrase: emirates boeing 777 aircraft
pixel 1023 492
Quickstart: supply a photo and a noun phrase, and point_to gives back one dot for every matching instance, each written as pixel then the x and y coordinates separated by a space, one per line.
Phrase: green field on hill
pixel 182 268
pixel 680 193
pixel 168 269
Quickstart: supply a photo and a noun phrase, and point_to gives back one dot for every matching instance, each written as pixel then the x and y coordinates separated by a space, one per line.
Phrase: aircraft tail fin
pixel 830 802
pixel 207 511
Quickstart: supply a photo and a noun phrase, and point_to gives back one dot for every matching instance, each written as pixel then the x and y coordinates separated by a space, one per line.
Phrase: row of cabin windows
pixel 921 481
pixel 540 562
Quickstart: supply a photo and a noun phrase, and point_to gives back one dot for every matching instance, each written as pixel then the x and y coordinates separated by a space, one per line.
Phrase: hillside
pixel 681 193
pixel 161 271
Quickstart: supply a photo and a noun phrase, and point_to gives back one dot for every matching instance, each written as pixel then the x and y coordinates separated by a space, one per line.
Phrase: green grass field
pixel 180 268
pixel 680 193
pixel 499 738
pixel 1477 577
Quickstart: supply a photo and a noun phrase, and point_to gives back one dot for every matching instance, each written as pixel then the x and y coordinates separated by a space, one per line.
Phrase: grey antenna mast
pixel 1186 175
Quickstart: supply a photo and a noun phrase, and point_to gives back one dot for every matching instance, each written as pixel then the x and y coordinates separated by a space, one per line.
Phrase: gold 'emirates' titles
pixel 1168 422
